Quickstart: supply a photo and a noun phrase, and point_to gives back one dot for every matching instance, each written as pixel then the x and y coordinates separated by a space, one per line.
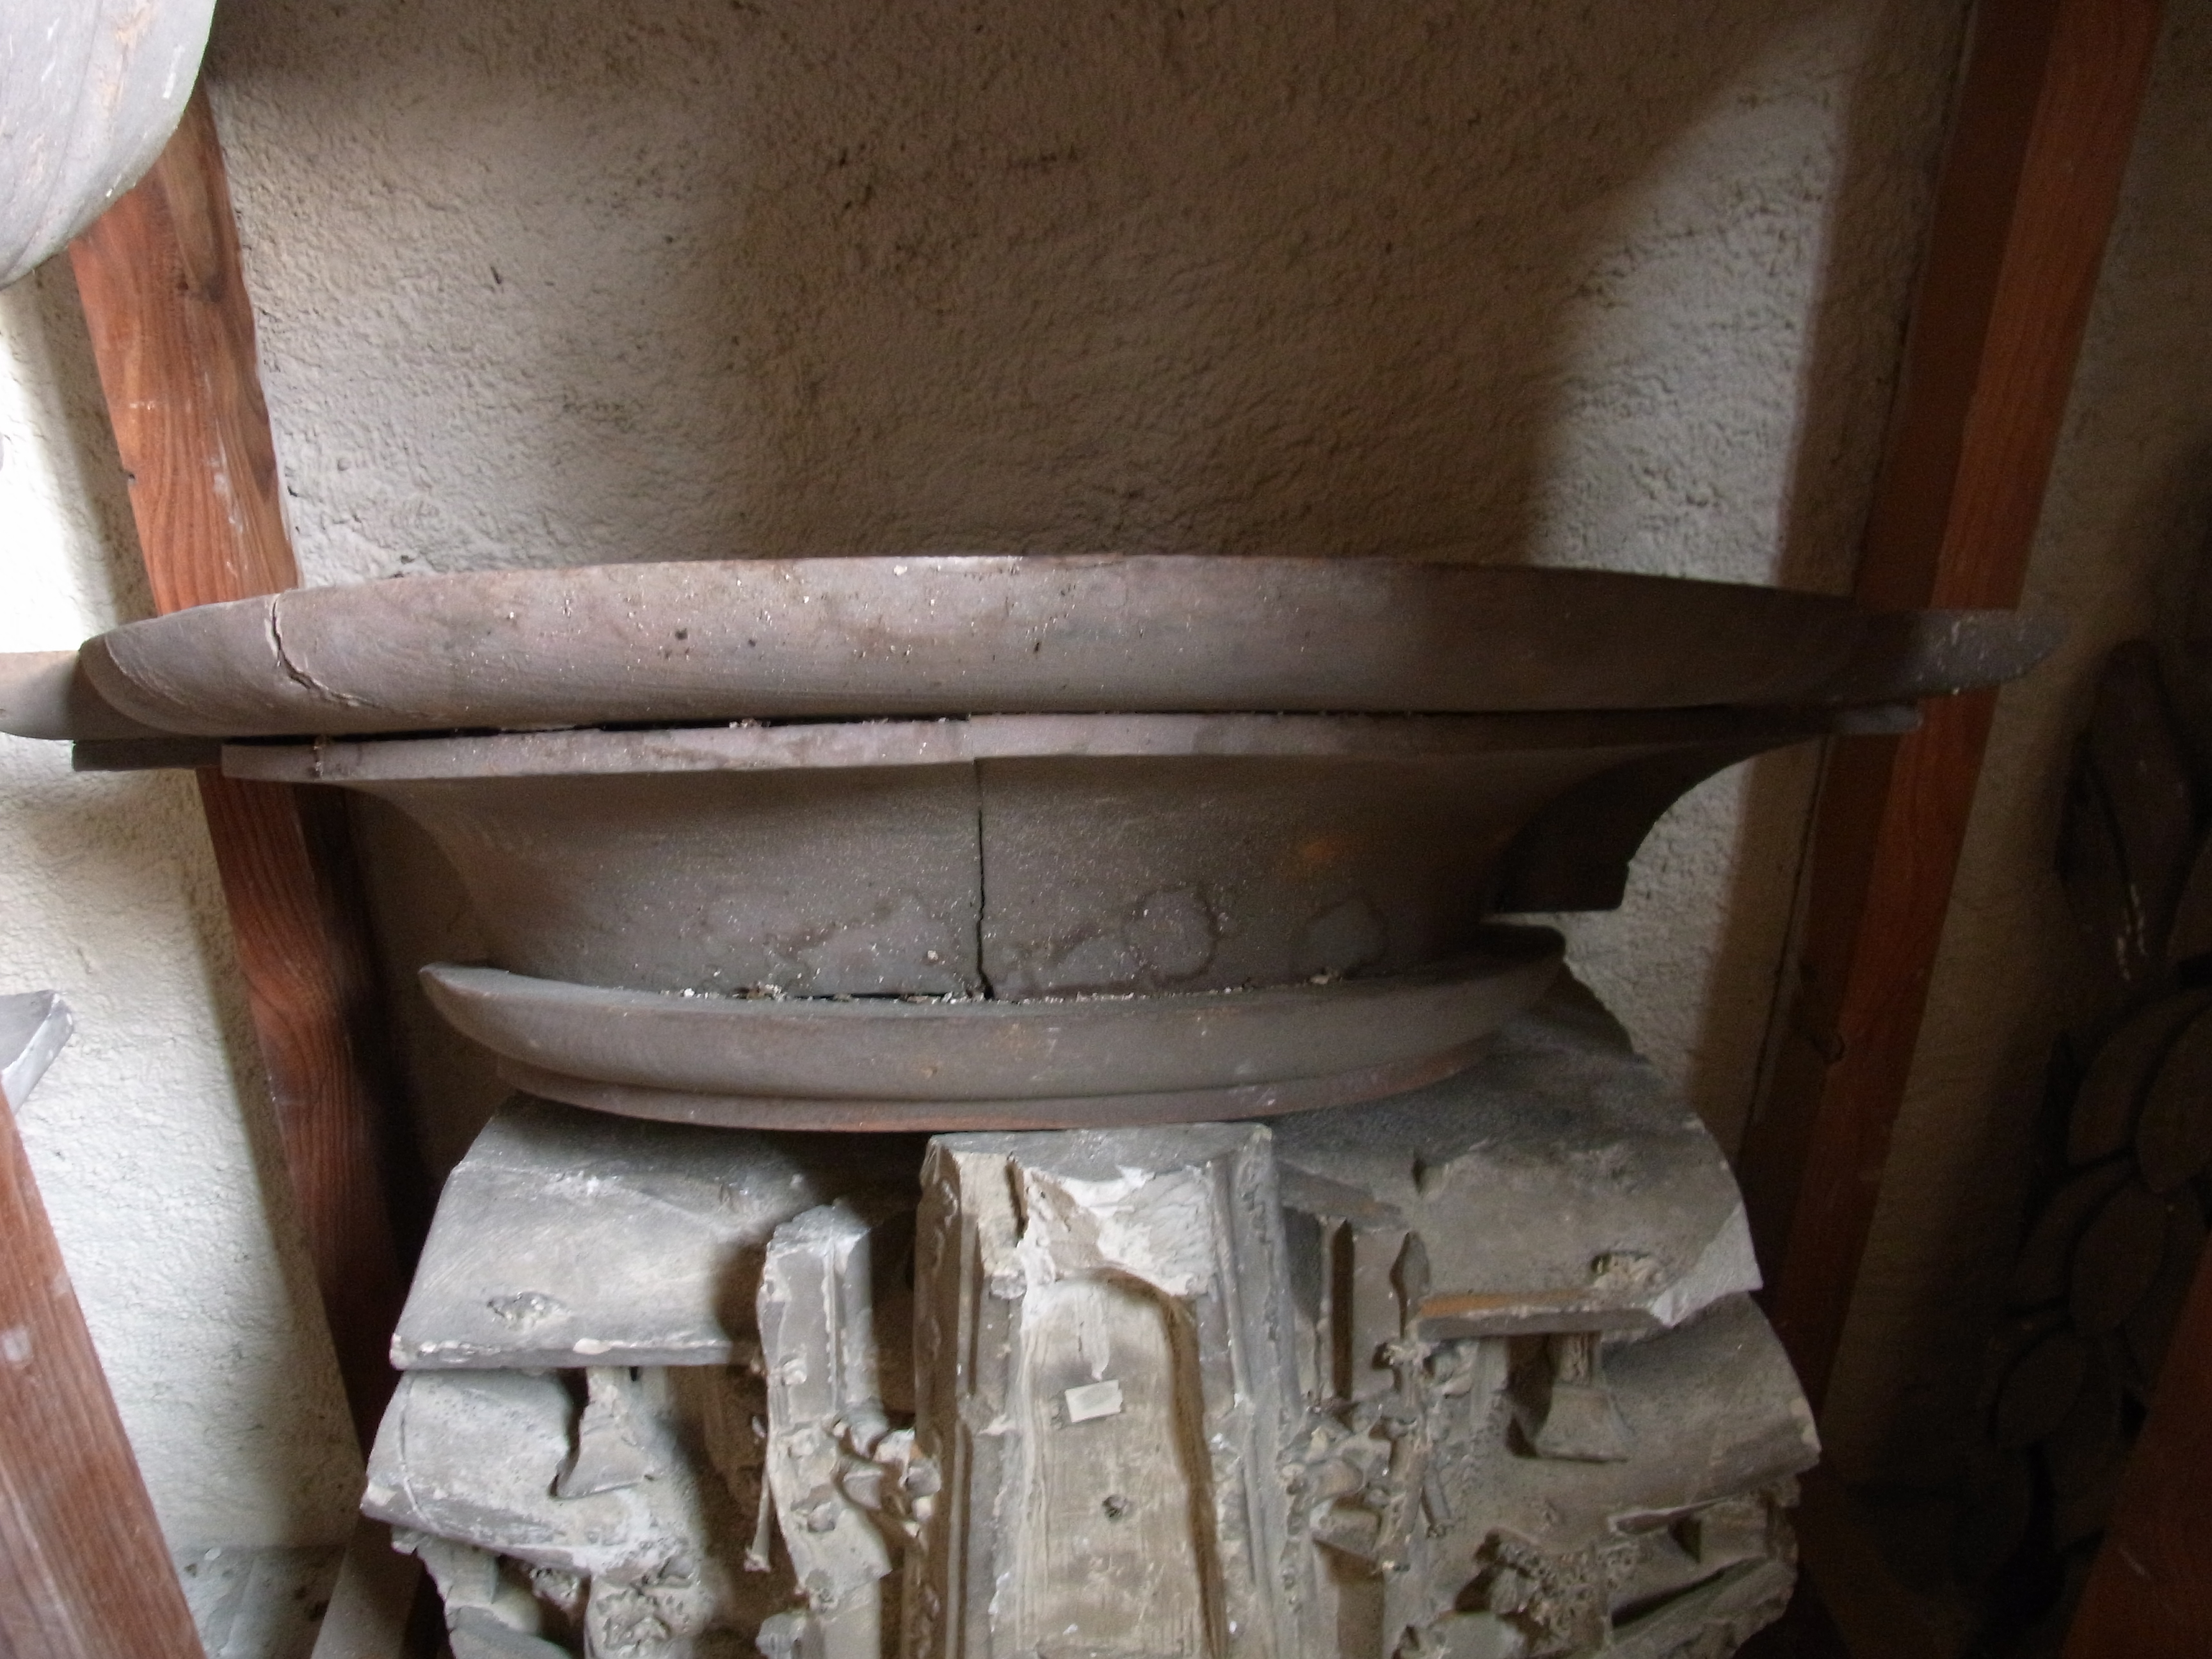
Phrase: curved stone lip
pixel 955 741
pixel 670 644
pixel 962 1053
pixel 1291 1096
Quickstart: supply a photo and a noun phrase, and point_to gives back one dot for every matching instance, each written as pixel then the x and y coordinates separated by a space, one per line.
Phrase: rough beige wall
pixel 150 1137
pixel 2129 512
pixel 571 281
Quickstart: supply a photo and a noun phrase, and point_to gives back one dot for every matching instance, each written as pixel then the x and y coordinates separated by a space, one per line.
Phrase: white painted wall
pixel 545 281
pixel 150 1136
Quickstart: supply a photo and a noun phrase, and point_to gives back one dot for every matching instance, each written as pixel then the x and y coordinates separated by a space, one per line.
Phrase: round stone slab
pixel 880 1062
pixel 1029 855
pixel 801 638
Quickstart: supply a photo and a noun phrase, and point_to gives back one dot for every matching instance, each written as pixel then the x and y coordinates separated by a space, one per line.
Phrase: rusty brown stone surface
pixel 762 639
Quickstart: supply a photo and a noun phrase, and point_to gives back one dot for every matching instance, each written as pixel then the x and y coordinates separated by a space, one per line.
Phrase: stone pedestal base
pixel 1471 1372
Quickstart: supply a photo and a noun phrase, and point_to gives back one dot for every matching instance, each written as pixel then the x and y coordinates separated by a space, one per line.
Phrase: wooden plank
pixel 2029 183
pixel 297 918
pixel 173 331
pixel 84 1573
pixel 173 328
pixel 2149 1596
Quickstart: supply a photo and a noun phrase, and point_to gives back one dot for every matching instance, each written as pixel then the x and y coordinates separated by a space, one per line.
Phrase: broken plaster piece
pixel 615 1442
pixel 1092 1401
pixel 1607 1205
pixel 1577 1418
pixel 826 1413
pixel 566 1236
pixel 1128 1281
pixel 1421 1495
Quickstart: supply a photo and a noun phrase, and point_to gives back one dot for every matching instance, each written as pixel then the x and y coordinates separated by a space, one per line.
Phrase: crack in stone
pixel 297 671
pixel 983 888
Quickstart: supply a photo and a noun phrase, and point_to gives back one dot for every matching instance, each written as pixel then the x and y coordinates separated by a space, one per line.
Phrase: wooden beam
pixel 83 1571
pixel 173 331
pixel 2041 139
pixel 2149 1594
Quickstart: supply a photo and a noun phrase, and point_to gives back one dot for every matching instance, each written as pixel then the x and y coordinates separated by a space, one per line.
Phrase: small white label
pixel 1094 1400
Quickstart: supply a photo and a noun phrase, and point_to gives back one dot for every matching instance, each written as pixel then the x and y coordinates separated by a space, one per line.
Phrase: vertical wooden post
pixel 83 1571
pixel 2040 144
pixel 173 331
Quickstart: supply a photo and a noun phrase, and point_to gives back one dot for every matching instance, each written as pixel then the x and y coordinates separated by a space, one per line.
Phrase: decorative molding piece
pixel 1468 1372
pixel 1106 1384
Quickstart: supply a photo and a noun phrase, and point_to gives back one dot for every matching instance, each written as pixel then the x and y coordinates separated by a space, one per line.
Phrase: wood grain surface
pixel 166 298
pixel 83 1571
pixel 2149 1596
pixel 173 331
pixel 296 913
pixel 2029 187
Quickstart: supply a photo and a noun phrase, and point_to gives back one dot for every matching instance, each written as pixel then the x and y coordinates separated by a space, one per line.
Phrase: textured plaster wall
pixel 148 1136
pixel 2128 517
pixel 573 281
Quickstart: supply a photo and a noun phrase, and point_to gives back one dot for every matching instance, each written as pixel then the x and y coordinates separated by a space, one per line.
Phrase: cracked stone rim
pixel 1181 1055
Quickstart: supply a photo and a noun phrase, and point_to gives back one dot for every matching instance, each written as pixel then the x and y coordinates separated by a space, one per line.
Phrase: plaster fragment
pixel 1093 1401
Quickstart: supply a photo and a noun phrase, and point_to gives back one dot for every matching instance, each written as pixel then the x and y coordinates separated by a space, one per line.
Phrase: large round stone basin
pixel 903 830
pixel 1018 856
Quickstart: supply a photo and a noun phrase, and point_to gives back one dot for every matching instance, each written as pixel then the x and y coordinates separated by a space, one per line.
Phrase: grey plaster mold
pixel 569 1238
pixel 611 1523
pixel 33 1026
pixel 1106 1391
pixel 847 1486
pixel 1380 1383
pixel 1604 1204
pixel 259 1602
